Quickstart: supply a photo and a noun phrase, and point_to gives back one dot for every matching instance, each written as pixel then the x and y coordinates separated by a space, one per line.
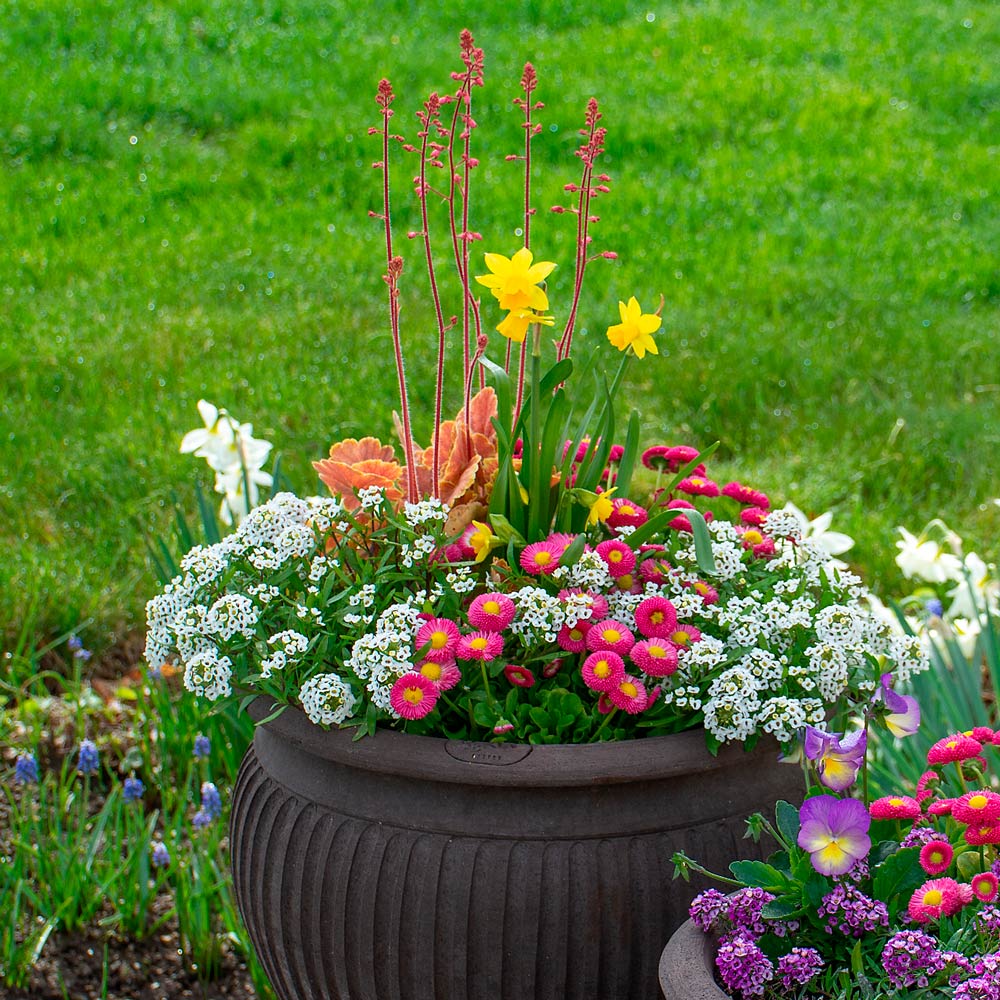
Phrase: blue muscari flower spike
pixel 934 607
pixel 202 747
pixel 160 855
pixel 88 761
pixel 25 769
pixel 133 789
pixel 211 803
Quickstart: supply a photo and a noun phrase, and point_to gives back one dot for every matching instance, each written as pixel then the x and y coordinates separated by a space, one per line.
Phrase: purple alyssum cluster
pixel 799 967
pixel 743 966
pixel 848 910
pixel 910 957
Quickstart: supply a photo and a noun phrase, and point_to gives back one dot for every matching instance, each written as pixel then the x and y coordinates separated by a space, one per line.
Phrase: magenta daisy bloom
pixel 519 676
pixel 698 486
pixel 654 657
pixel 684 635
pixel 492 612
pixel 656 616
pixel 655 458
pixel 541 557
pixel 981 834
pixel 977 807
pixel 755 516
pixel 617 556
pixel 552 667
pixel 629 695
pixel 440 636
pixel 942 807
pixel 602 671
pixel 936 856
pixel 984 886
pixel 746 495
pixel 709 595
pixel 480 646
pixel 502 728
pixel 610 635
pixel 936 898
pixel 628 583
pixel 895 807
pixel 625 513
pixel 444 676
pixel 604 704
pixel 653 568
pixel 598 602
pixel 413 696
pixel 573 639
pixel 982 733
pixel 954 748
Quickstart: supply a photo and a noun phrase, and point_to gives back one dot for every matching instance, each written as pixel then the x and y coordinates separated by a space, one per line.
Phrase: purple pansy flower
pixel 838 758
pixel 902 716
pixel 834 832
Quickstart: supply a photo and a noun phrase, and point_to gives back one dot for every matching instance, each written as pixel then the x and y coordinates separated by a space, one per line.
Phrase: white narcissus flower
pixel 215 437
pixel 976 590
pixel 236 504
pixel 924 558
pixel 834 543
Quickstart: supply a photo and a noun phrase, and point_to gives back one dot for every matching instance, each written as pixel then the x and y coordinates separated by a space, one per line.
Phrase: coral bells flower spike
pixel 602 671
pixel 834 832
pixel 934 899
pixel 977 807
pixel 514 281
pixel 413 696
pixel 935 857
pixel 635 330
pixel 838 759
pixel 895 807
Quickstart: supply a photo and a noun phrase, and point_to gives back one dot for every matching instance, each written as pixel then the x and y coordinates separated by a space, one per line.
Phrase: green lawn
pixel 185 190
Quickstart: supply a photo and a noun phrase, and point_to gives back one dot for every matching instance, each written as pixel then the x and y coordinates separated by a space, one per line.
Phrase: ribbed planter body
pixel 687 966
pixel 409 868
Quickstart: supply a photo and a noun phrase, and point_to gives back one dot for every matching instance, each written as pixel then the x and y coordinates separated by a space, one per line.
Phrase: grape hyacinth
pixel 132 789
pixel 75 645
pixel 159 855
pixel 88 760
pixel 202 747
pixel 25 769
pixel 211 805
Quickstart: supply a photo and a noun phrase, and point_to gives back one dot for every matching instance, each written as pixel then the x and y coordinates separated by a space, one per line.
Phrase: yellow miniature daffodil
pixel 515 326
pixel 515 281
pixel 482 540
pixel 601 508
pixel 635 330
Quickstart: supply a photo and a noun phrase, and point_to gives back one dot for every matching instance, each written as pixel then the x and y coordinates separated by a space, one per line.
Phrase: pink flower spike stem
pixel 394 268
pixel 591 149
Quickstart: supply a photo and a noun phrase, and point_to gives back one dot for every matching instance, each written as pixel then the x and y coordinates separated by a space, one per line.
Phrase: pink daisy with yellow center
pixel 502 728
pixel 980 834
pixel 612 635
pixel 709 595
pixel 653 568
pixel 597 602
pixel 937 898
pixel 684 635
pixel 942 807
pixel 413 696
pixel 625 513
pixel 444 676
pixel 654 657
pixel 629 695
pixel 935 857
pixel 491 612
pixel 977 807
pixel 627 583
pixel 552 667
pixel 480 646
pixel 519 676
pixel 984 886
pixel 440 637
pixel 698 486
pixel 754 515
pixel 656 616
pixel 602 671
pixel 954 748
pixel 573 639
pixel 617 556
pixel 541 557
pixel 744 494
pixel 895 807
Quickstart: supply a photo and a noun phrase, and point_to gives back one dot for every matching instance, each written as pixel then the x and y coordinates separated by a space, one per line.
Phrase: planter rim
pixel 432 758
pixel 687 964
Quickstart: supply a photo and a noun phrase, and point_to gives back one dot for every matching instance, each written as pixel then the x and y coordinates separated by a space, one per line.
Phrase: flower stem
pixel 600 728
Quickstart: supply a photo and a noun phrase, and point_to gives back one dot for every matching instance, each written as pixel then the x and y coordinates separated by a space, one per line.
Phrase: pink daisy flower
pixel 491 612
pixel 894 807
pixel 573 639
pixel 610 635
pixel 465 543
pixel 765 550
pixel 709 595
pixel 656 616
pixel 982 733
pixel 502 728
pixel 984 886
pixel 755 516
pixel 440 636
pixel 982 833
pixel 627 583
pixel 697 486
pixel 936 898
pixel 480 646
pixel 413 696
pixel 654 568
pixel 629 695
pixel 977 807
pixel 444 676
pixel 552 667
pixel 597 602
pixel 654 657
pixel 954 748
pixel 928 778
pixel 604 705
pixel 942 807
pixel 655 458
pixel 541 557
pixel 615 455
pixel 935 857
pixel 684 635
pixel 625 513
pixel 519 676
pixel 602 671
pixel 617 556
pixel 744 494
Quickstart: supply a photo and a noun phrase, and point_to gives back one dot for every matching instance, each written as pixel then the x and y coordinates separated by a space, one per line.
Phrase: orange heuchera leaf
pixel 354 465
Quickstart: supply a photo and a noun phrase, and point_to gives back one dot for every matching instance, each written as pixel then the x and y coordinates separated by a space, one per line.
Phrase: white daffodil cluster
pixel 236 457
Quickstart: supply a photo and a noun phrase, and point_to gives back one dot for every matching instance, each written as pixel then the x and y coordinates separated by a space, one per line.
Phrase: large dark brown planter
pixel 409 868
pixel 687 966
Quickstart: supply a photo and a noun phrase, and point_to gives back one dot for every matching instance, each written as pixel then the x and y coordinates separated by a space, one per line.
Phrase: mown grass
pixel 185 191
